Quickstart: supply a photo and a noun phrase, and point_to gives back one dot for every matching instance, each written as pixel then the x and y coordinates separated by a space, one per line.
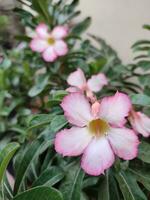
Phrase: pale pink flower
pixel 50 44
pixel 140 123
pixel 98 131
pixel 78 82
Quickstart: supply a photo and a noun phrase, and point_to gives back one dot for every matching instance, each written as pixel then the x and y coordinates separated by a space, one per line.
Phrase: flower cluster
pixel 99 131
pixel 50 44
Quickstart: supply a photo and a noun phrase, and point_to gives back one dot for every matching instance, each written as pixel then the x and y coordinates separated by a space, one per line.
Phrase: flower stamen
pixel 51 41
pixel 98 127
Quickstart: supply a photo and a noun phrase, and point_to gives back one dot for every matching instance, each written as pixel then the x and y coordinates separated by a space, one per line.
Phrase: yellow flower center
pixel 98 127
pixel 51 40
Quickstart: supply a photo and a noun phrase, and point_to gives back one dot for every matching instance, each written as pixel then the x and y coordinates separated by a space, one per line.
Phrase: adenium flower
pixel 140 123
pixel 98 131
pixel 50 44
pixel 78 82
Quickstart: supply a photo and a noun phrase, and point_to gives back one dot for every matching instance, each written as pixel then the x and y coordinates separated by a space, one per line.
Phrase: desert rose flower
pixel 98 131
pixel 78 82
pixel 140 123
pixel 50 44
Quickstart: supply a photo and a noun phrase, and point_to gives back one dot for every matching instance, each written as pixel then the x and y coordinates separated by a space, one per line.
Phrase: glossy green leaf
pixel 144 152
pixel 71 188
pixel 32 152
pixel 49 177
pixel 5 156
pixel 42 8
pixel 142 175
pixel 40 83
pixel 82 26
pixel 57 123
pixel 103 191
pixel 129 186
pixel 140 99
pixel 40 193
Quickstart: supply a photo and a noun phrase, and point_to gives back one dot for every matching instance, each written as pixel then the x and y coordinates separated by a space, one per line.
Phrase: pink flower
pixel 140 123
pixel 78 82
pixel 50 44
pixel 98 131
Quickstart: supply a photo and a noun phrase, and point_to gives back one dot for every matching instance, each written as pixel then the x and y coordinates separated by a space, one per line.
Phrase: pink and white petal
pixel 42 31
pixel 38 45
pixel 49 55
pixel 77 79
pixel 73 141
pixel 77 109
pixel 115 108
pixel 96 82
pixel 60 32
pixel 97 157
pixel 61 47
pixel 124 142
pixel 140 123
pixel 73 89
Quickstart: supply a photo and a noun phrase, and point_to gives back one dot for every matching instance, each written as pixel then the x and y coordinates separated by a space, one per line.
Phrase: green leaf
pixel 142 175
pixel 49 177
pixel 39 120
pixel 103 192
pixel 71 188
pixel 42 8
pixel 129 186
pixel 140 99
pixel 32 152
pixel 5 156
pixel 57 123
pixel 40 193
pixel 40 83
pixel 144 64
pixel 140 42
pixel 82 26
pixel 144 152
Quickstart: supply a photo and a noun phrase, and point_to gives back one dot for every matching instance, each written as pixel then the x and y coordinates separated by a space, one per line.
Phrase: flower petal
pixel 73 89
pixel 124 142
pixel 38 45
pixel 77 109
pixel 60 32
pixel 114 109
pixel 140 123
pixel 96 82
pixel 49 55
pixel 42 31
pixel 77 79
pixel 72 142
pixel 61 47
pixel 97 157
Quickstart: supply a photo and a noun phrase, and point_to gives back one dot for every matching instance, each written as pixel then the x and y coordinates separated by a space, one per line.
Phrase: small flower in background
pixel 98 131
pixel 140 123
pixel 78 82
pixel 50 44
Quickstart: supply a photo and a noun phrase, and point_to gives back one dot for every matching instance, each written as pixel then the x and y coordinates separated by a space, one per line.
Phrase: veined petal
pixel 140 123
pixel 38 45
pixel 42 31
pixel 114 109
pixel 77 109
pixel 60 47
pixel 124 142
pixel 72 142
pixel 96 82
pixel 77 79
pixel 60 32
pixel 97 157
pixel 49 55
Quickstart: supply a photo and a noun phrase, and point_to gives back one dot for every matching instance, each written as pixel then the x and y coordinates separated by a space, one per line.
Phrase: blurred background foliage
pixel 31 91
